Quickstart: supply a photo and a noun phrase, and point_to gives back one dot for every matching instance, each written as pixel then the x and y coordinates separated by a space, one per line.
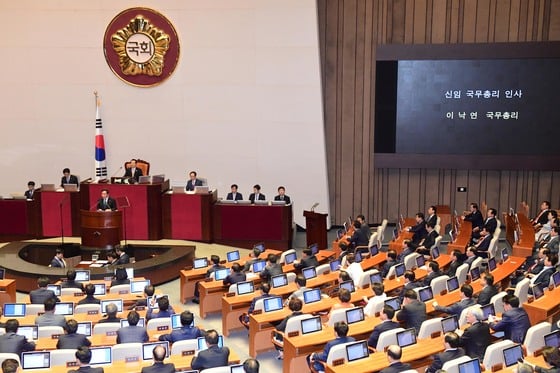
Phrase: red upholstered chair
pixel 141 164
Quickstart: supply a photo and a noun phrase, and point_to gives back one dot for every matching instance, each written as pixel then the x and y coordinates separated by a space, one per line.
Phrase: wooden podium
pixel 316 228
pixel 101 229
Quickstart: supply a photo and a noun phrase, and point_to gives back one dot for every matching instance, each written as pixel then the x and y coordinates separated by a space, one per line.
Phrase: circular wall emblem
pixel 141 46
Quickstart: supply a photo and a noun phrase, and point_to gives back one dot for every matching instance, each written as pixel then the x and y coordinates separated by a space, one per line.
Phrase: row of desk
pixel 524 245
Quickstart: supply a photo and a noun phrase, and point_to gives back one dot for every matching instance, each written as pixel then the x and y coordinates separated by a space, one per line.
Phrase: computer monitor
pixel 221 273
pixel 100 355
pixel 348 285
pixel 395 234
pixel 394 303
pixel 358 257
pixel 314 248
pixel 137 286
pixel 14 309
pixel 425 294
pixel 512 355
pixel 537 291
pixel 345 225
pixel 232 256
pixel 290 257
pixel 309 273
pixel 374 250
pixel 471 366
pixel 354 315
pixel 375 278
pixel 36 360
pixel 406 337
pixel 258 266
pixel 148 349
pixel 552 339
pixel 452 284
pixel 311 325
pixel 2 273
pixel 30 332
pixel 245 287
pixel 475 274
pixel 420 261
pixel 56 289
pixel 176 321
pixel 491 264
pixel 64 308
pixel 141 323
pixel 339 234
pixel 335 265
pixel 504 254
pixel 82 275
pixel 488 310
pixel 100 289
pixel 200 263
pixel 311 296
pixel 202 343
pixel 279 280
pixel 259 246
pixel 357 351
pixel 435 252
pixel 238 368
pixel 117 302
pixel 84 328
pixel 449 324
pixel 556 278
pixel 272 304
pixel 399 269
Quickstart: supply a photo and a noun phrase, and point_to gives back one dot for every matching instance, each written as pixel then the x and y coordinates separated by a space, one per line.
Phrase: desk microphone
pixel 120 168
pixel 314 205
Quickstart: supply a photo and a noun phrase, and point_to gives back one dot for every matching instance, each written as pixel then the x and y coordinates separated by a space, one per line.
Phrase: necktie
pixel 105 202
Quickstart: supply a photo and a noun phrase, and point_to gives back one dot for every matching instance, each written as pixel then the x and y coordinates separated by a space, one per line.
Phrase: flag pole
pixel 100 162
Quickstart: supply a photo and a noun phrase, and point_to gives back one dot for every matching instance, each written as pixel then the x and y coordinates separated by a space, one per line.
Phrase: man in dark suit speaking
pixel 193 181
pixel 106 203
pixel 133 172
pixel 68 178
pixel 214 356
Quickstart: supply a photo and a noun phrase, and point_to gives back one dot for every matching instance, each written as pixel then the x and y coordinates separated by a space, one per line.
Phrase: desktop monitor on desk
pixel 311 325
pixel 425 294
pixel 290 257
pixel 100 356
pixel 82 275
pixel 335 265
pixel 245 287
pixel 200 263
pixel 512 355
pixel 272 304
pixel 406 337
pixel 452 284
pixel 137 286
pixel 279 280
pixel 148 349
pixel 357 351
pixel 36 360
pixel 309 273
pixel 311 296
pixel 232 256
pixel 348 285
pixel 449 324
pixel 354 315
pixel 471 366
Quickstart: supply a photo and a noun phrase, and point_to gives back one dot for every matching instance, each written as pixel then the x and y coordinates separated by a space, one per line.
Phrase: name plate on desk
pixel 111 333
pixel 55 336
pixel 187 353
pixel 123 291
pixel 140 308
pixel 293 334
pixel 338 362
pixel 209 279
pixel 131 359
pixel 93 312
pixel 229 295
pixel 257 312
pixel 71 364
pixel 79 294
pixel 162 328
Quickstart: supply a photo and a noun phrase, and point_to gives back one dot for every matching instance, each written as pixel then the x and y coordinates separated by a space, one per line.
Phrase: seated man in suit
pixel 456 262
pixel 272 268
pixel 159 366
pixel 71 281
pixel 378 296
pixel 133 173
pixel 488 291
pixel 553 242
pixel 295 305
pixel 254 255
pixel 123 257
pixel 476 337
pixel 58 259
pixel 364 226
pixel 359 237
pixel 471 254
pixel 235 276
pixel 49 318
pixel 257 195
pixel 132 333
pixel 418 230
pixel 212 357
pixel 409 283
pixel 193 181
pixel 475 217
pixel 433 272
pixel 413 312
pixel 215 259
pixel 68 178
pixel 483 243
pixel 551 357
pixel 83 357
pixel 542 216
pixel 307 260
pixel 106 203
pixel 111 311
pixel 11 342
pixel 89 298
pixel 426 244
pixel 265 290
pixel 282 195
pixel 187 331
pixel 542 279
pixel 301 285
pixel 451 342
pixel 432 215
pixel 391 261
pixel 72 339
pixel 234 195
pixel 341 336
pixel 121 277
pixel 30 190
pixel 38 296
pixel 514 322
pixel 165 309
pixel 387 323
pixel 394 354
pixel 458 307
pixel 490 224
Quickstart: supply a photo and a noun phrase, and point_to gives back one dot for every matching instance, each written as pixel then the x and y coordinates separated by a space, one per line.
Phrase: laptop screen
pixel 82 275
pixel 202 343
pixel 36 360
pixel 452 283
pixel 374 250
pixel 449 324
pixel 358 257
pixel 176 321
pixel 55 289
pixel 471 366
pixel 356 351
pixel 220 274
pixel 335 265
pixel 232 256
pixel 200 263
pixel 245 287
pixel 84 328
pixel 420 261
pixel 238 368
pixel 258 266
pixel 100 355
pixel 552 339
pixel 512 355
pixel 30 332
pixel 14 309
pixel 137 286
pixel 279 280
pixel 435 253
pixel 309 272
pixel 141 323
pixel 354 315
pixel 537 291
pixel 100 289
pixel 399 270
pixel 289 258
pixel 556 278
pixel 272 304
pixel 394 303
pixel 148 349
pixel 259 246
pixel 406 337
pixel 348 285
pixel 375 278
pixel 492 264
pixel 395 234
pixel 117 302
pixel 425 294
pixel 311 296
pixel 475 274
pixel 488 310
pixel 504 254
pixel 311 325
pixel 339 234
pixel 64 308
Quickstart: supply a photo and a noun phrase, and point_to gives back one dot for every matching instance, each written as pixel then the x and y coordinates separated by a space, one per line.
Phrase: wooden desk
pixel 545 308
pixel 97 340
pixel 188 216
pixel 444 213
pixel 7 291
pixel 398 244
pixel 524 247
pixel 20 217
pixel 51 205
pixel 462 239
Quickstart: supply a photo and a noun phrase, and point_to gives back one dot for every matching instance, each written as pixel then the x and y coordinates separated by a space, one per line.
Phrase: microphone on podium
pixel 115 173
pixel 314 205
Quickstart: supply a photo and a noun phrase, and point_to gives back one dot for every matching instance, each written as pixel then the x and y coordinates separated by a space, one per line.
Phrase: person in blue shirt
pixel 165 309
pixel 341 331
pixel 187 331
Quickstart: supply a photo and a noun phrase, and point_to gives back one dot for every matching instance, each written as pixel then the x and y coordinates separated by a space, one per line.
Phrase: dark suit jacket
pixel 132 334
pixel 380 328
pixel 457 307
pixel 15 344
pixel 432 220
pixel 159 367
pixel 39 296
pixel 56 263
pixel 469 261
pixel 386 267
pixel 491 225
pixel 419 232
pixel 484 244
pixel 359 238
pixel 271 270
pixel 282 326
pixel 452 270
pixel 413 314
pixel 186 332
pixel 87 369
pixel 214 356
pixel 486 294
pixel 322 356
pixel 543 278
pixel 286 199
pixel 409 286
pixel 72 341
pixel 396 368
pixel 514 324
pixel 262 197
pixel 428 279
pixel 111 204
pixel 123 259
pixel 90 300
pixel 72 284
pixel 475 339
pixel 430 239
pixel 475 218
pixel 28 194
pixel 444 357
pixel 73 180
pixel 553 244
pixel 307 262
pixel 190 185
pixel 234 278
pixel 238 196
pixel 137 173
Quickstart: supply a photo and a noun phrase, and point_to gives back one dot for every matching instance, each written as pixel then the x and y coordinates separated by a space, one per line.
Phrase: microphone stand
pixel 60 205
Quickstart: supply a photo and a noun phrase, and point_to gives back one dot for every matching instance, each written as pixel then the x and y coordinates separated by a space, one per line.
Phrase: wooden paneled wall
pixel 349 32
